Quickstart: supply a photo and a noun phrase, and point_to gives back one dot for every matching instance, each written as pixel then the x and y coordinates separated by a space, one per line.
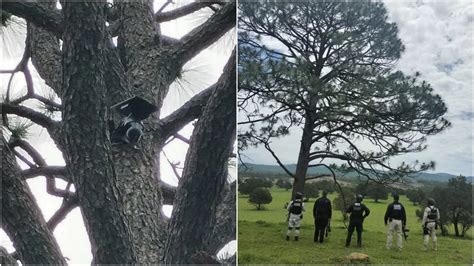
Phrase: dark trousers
pixel 320 229
pixel 350 229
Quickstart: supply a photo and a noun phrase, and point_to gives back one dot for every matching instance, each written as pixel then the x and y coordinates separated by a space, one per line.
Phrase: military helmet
pixel 431 201
pixel 359 198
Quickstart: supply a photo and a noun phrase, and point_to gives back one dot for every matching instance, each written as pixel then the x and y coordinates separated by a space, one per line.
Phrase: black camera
pixel 132 111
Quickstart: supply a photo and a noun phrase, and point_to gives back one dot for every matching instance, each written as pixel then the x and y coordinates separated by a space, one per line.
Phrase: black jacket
pixel 358 212
pixel 322 208
pixel 395 210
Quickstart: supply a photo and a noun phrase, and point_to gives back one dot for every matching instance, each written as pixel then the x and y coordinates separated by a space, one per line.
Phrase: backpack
pixel 296 207
pixel 433 214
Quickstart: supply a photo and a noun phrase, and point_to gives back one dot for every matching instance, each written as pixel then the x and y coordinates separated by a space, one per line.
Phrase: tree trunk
pixel 86 136
pixel 225 228
pixel 444 231
pixel 456 229
pixel 22 219
pixel 204 174
pixel 303 156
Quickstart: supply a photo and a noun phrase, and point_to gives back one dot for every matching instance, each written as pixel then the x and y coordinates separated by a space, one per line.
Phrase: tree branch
pixel 181 11
pixel 268 148
pixel 69 203
pixel 206 34
pixel 189 111
pixel 183 139
pixel 22 219
pixel 23 158
pixel 164 6
pixel 169 41
pixel 44 171
pixel 37 14
pixel 30 114
pixel 6 258
pixel 173 166
pixel 168 192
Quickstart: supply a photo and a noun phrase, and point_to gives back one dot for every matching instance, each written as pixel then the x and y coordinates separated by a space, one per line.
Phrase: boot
pixel 287 238
pixel 296 238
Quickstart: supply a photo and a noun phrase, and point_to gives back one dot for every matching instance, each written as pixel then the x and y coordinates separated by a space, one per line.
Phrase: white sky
pixel 438 39
pixel 199 73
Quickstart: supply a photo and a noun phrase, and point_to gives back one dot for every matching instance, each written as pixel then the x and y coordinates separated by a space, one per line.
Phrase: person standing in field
pixel 430 224
pixel 396 218
pixel 322 212
pixel 295 214
pixel 358 213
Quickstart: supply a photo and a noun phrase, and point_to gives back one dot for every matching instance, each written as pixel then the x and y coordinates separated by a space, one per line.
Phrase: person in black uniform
pixel 358 213
pixel 397 220
pixel 322 214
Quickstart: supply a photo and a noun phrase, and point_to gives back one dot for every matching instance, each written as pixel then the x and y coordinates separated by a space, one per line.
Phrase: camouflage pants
pixel 294 222
pixel 431 226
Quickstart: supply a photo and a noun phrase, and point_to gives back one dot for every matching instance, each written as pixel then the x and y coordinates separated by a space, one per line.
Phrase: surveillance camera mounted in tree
pixel 132 111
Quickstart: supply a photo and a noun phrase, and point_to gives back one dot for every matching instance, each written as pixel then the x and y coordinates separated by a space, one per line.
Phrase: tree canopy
pixel 260 196
pixel 248 185
pixel 329 69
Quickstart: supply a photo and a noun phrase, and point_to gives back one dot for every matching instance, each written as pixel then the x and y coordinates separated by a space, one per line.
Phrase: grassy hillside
pixel 261 237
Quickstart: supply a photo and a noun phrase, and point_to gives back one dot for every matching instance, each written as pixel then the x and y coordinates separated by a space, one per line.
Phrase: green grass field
pixel 261 237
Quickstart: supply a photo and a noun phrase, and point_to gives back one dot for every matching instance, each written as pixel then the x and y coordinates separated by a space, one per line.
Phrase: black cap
pixel 359 198
pixel 299 195
pixel 325 193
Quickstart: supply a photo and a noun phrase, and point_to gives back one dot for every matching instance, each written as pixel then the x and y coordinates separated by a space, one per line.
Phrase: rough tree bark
pixel 200 172
pixel 118 187
pixel 21 217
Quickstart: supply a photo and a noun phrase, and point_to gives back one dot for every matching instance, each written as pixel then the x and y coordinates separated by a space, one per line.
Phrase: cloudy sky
pixel 438 39
pixel 198 74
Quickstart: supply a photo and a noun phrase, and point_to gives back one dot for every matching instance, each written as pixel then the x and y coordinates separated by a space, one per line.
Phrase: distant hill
pixel 277 170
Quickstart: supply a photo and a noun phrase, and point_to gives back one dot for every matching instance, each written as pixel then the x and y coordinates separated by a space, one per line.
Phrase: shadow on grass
pixel 263 223
pixel 257 210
